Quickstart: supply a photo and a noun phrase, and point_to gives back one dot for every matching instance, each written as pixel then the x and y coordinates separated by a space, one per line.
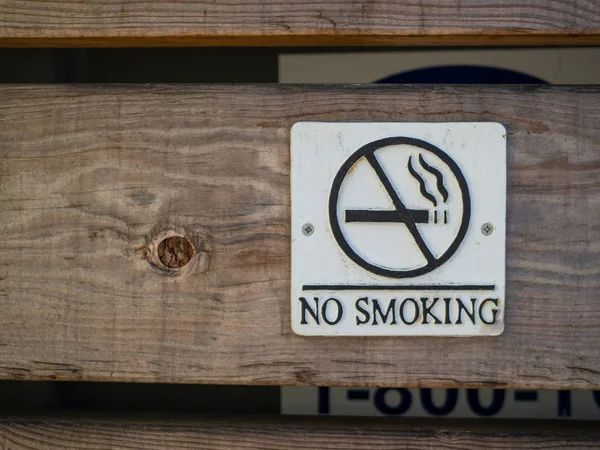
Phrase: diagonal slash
pixel 409 220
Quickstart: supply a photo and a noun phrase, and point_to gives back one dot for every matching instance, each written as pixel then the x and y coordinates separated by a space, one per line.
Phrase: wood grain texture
pixel 272 432
pixel 74 23
pixel 92 175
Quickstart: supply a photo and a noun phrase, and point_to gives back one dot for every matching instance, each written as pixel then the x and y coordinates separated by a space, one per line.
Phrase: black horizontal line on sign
pixel 358 394
pixel 526 396
pixel 407 287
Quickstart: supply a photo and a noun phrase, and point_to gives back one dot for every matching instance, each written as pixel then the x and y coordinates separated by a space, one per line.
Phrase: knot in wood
pixel 175 252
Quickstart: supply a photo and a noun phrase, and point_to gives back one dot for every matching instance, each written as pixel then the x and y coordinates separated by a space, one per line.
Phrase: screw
pixel 308 229
pixel 487 229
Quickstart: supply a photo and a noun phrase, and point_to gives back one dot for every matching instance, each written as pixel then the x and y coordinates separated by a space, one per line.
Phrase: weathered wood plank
pixel 298 22
pixel 273 432
pixel 92 175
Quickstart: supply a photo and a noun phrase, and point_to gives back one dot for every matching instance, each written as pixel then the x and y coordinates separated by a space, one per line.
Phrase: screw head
pixel 487 229
pixel 308 229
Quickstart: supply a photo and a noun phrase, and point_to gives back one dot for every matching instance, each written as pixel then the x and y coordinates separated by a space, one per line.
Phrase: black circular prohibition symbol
pixel 369 150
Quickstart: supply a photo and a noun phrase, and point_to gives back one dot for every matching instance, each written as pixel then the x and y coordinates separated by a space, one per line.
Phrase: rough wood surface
pixel 92 178
pixel 298 22
pixel 272 432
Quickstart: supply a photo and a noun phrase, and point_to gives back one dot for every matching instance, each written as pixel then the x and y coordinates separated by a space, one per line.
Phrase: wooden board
pixel 298 22
pixel 272 432
pixel 93 177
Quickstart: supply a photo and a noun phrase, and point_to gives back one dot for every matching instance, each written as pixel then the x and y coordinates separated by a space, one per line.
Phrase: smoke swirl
pixel 424 192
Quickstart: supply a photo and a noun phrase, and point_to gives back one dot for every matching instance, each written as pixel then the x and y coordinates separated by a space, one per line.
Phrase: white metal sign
pixel 398 228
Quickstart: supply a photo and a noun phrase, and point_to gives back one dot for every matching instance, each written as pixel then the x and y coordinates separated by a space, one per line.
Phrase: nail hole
pixel 175 252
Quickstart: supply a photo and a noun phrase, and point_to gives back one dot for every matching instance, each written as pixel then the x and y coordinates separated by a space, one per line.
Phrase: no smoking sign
pixel 398 228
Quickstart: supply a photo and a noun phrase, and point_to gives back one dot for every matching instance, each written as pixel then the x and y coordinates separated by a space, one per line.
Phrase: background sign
pixel 456 403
